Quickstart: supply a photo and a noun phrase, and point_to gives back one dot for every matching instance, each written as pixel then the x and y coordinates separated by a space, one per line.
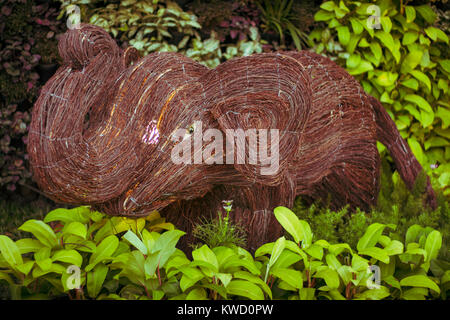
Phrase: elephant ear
pixel 130 56
pixel 261 104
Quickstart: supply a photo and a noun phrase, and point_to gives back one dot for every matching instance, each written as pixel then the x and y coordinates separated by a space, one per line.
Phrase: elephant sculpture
pixel 102 133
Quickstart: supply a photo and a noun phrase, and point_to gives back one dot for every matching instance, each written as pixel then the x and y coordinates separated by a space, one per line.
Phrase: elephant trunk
pixel 70 108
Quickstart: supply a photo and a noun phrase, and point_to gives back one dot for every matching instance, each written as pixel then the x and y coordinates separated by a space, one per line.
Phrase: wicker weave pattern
pixel 101 133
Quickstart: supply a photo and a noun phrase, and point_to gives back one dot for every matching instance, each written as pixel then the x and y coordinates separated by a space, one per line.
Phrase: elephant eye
pixel 191 129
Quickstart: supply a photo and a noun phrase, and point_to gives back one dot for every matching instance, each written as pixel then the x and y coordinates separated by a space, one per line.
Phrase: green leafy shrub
pixel 401 58
pixel 278 16
pixel 220 231
pixel 82 254
pixel 396 206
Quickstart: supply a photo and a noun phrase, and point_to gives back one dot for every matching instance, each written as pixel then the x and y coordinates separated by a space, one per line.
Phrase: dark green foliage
pixel 396 206
pixel 28 32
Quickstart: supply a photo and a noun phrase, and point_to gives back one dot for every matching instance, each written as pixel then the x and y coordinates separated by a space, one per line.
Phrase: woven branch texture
pixel 102 129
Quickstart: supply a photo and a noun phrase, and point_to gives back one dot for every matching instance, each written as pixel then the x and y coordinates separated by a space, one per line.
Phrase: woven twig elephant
pixel 102 133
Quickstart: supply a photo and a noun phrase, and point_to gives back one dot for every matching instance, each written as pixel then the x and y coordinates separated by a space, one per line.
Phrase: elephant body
pixel 102 134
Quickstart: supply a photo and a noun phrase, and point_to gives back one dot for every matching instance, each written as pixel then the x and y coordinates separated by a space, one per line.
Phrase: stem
pixel 146 292
pixel 159 276
pixel 347 291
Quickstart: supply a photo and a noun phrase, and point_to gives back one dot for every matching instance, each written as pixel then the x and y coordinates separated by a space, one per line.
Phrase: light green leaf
pixel 132 238
pixel 76 228
pixel 433 244
pixel 330 276
pixel 410 14
pixel 421 77
pixel 68 256
pixel 10 251
pixel 377 253
pixel 409 37
pixel 204 253
pixel 95 279
pixel 394 248
pixel 41 231
pixel 416 149
pixel 419 101
pixel 427 13
pixel 419 281
pixel 411 61
pixel 371 236
pixel 292 277
pixel 197 294
pixel 104 250
pixel 343 35
pixel 79 214
pixel 298 229
pixel 245 289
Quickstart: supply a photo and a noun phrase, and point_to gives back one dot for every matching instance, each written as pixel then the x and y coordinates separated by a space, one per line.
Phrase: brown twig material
pixel 102 128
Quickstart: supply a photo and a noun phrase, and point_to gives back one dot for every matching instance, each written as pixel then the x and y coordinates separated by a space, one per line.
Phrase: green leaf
pixel 427 13
pixel 332 261
pixel 394 248
pixel 197 294
pixel 410 14
pixel 292 277
pixel 204 253
pixel 356 26
pixel 386 39
pixel 445 64
pixel 420 281
pixel 255 279
pixel 330 276
pixel 363 67
pixel 27 245
pixel 245 289
pixel 411 61
pixel 411 83
pixel 444 115
pixel 104 250
pixel 343 35
pixel 371 236
pixel 41 231
pixel 315 251
pixel 436 142
pixel 436 34
pixel 421 77
pixel 323 15
pixel 79 214
pixel 328 6
pixel 298 229
pixel 307 293
pixel 433 244
pixel 416 149
pixel 190 277
pixel 386 79
pixel 76 228
pixel 419 101
pixel 95 279
pixel 10 251
pixel 68 256
pixel 276 252
pixel 386 23
pixel 409 37
pixel 375 252
pixel 374 294
pixel 132 238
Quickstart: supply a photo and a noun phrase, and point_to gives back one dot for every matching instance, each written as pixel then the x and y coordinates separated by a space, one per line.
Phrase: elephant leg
pixel 355 183
pixel 252 209
pixel 258 217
